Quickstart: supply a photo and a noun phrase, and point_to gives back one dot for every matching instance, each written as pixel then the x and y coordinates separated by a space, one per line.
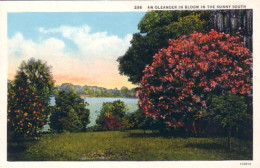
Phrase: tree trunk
pixel 229 137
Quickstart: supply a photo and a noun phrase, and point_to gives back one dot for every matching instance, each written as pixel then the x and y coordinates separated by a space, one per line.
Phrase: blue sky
pixel 76 41
pixel 115 23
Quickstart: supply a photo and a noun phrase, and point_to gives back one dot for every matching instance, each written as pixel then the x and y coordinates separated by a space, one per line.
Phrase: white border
pixel 121 6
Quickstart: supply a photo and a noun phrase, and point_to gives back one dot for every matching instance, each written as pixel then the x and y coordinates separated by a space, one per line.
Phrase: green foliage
pixel 28 98
pixel 153 20
pixel 69 88
pixel 36 76
pixel 55 91
pixel 145 122
pixel 187 25
pixel 156 28
pixel 111 115
pixel 72 122
pixel 69 114
pixel 124 91
pixel 116 108
pixel 230 110
pixel 138 120
pixel 128 121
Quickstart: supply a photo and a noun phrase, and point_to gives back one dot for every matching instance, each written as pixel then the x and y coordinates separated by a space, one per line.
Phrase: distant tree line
pixel 95 91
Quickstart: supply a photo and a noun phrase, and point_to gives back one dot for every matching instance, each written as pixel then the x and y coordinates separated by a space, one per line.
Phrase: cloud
pixel 98 44
pixel 94 63
pixel 67 31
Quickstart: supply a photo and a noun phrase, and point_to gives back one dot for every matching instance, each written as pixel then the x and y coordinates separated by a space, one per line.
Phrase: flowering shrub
pixel 109 122
pixel 28 98
pixel 26 113
pixel 111 115
pixel 191 68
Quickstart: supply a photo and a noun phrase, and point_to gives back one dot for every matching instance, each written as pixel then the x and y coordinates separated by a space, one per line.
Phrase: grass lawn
pixel 130 145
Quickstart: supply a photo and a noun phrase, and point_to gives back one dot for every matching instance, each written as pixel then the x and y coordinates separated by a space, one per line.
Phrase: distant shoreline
pixel 88 96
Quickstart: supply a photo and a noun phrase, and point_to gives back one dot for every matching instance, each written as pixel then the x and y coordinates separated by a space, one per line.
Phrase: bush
pixel 111 115
pixel 145 122
pixel 128 121
pixel 69 114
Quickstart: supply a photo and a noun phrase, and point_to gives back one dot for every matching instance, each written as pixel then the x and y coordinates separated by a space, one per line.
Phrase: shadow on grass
pixel 15 147
pixel 143 135
pixel 152 135
pixel 211 145
pixel 15 151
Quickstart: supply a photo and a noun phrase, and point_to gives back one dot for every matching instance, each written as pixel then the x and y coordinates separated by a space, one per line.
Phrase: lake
pixel 95 105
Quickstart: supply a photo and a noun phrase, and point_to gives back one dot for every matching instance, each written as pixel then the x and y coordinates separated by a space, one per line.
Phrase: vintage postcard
pixel 129 84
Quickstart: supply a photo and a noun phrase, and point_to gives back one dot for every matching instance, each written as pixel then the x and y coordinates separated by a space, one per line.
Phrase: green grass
pixel 130 145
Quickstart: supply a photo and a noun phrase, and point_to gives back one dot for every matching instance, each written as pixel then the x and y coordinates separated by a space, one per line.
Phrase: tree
pixel 111 115
pixel 230 111
pixel 68 87
pixel 70 113
pixel 28 98
pixel 193 67
pixel 156 27
pixel 124 91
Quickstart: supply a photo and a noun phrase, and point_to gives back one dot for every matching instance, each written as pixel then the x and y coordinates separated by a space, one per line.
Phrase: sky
pixel 82 48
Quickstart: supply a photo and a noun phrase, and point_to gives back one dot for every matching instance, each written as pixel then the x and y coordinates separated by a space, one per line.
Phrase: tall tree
pixel 156 28
pixel 28 98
